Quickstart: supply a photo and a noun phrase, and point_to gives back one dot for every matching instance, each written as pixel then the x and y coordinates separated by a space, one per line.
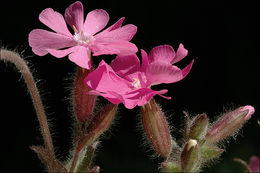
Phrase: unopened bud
pixel 199 127
pixel 209 152
pixel 229 123
pixel 170 166
pixel 156 128
pixel 190 156
pixel 99 124
pixel 83 103
pixel 254 164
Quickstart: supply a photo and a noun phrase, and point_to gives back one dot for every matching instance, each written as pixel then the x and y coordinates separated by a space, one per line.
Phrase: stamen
pixel 136 83
pixel 75 29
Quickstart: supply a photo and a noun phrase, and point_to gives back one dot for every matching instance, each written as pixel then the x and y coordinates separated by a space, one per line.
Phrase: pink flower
pixel 86 39
pixel 126 81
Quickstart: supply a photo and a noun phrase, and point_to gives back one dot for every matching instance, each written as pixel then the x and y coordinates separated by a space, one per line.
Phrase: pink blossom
pixel 87 37
pixel 126 81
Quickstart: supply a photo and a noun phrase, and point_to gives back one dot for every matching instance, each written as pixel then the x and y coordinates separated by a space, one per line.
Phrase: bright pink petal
pixel 74 15
pixel 187 69
pixel 180 54
pixel 161 92
pixel 254 164
pixel 125 65
pixel 128 103
pixel 115 99
pixel 105 80
pixel 161 72
pixel 145 61
pixel 102 49
pixel 163 53
pixel 80 56
pixel 121 48
pixel 55 21
pixel 125 33
pixel 116 25
pixel 95 21
pixel 40 40
pixel 143 95
pixel 61 53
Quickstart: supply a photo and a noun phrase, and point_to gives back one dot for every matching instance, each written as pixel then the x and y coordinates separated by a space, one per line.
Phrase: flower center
pixel 82 38
pixel 136 83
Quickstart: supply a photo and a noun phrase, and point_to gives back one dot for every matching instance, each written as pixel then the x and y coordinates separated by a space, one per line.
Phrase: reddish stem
pixel 21 64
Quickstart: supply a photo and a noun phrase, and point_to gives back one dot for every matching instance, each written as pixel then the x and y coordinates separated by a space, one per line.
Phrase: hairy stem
pixel 21 64
pixel 75 160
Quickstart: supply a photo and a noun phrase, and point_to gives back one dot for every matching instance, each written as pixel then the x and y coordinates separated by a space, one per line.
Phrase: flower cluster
pixel 125 80
pixel 128 80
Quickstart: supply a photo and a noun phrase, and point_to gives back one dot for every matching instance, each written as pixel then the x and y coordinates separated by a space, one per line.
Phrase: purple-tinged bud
pixel 83 103
pixel 254 164
pixel 199 127
pixel 99 124
pixel 190 156
pixel 170 166
pixel 156 128
pixel 229 123
pixel 209 152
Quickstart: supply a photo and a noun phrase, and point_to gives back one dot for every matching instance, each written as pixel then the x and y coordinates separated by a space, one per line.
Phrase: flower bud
pixel 156 128
pixel 83 103
pixel 229 123
pixel 170 166
pixel 254 164
pixel 209 152
pixel 199 127
pixel 190 156
pixel 99 124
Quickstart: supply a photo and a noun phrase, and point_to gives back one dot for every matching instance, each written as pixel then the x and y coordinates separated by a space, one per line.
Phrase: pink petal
pixel 180 54
pixel 95 21
pixel 115 98
pixel 40 40
pixel 125 65
pixel 123 33
pixel 116 25
pixel 161 92
pixel 74 15
pixel 161 72
pixel 163 53
pixel 145 60
pixel 142 95
pixel 105 80
pixel 187 69
pixel 109 96
pixel 55 21
pixel 122 48
pixel 80 56
pixel 250 109
pixel 254 164
pixel 102 49
pixel 61 53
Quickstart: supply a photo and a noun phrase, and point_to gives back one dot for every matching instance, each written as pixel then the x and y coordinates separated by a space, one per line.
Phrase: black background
pixel 222 38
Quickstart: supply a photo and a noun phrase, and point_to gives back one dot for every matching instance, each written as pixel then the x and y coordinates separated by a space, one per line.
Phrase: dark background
pixel 222 38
